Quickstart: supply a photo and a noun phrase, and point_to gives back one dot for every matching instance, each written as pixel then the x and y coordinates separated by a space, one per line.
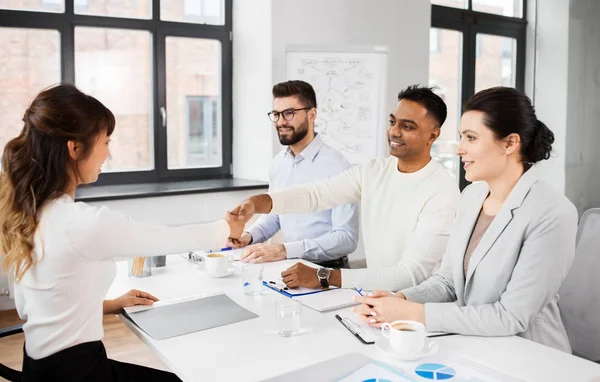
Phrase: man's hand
pixel 236 227
pixel 131 298
pixel 262 253
pixel 300 275
pixel 243 241
pixel 257 204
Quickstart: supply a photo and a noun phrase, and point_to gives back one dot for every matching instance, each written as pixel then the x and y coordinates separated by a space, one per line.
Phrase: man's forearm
pixel 263 204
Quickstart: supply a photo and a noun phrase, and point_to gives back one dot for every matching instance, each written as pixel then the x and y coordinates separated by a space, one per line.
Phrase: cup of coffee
pixel 407 337
pixel 218 264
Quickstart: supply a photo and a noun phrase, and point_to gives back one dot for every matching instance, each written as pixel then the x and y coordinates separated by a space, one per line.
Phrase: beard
pixel 297 134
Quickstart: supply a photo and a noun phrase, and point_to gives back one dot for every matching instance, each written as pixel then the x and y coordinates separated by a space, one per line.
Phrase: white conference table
pixel 252 351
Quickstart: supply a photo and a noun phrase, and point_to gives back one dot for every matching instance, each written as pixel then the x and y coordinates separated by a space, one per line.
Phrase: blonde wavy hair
pixel 37 167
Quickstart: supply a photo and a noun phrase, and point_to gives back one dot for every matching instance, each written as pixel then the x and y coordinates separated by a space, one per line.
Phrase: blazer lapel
pixel 504 216
pixel 469 221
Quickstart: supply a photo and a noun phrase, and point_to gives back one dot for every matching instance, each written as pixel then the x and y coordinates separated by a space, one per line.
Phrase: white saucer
pixel 430 347
pixel 228 272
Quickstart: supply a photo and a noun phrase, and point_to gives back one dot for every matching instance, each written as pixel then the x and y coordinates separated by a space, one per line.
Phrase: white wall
pixel 252 83
pixel 551 48
pixel 583 113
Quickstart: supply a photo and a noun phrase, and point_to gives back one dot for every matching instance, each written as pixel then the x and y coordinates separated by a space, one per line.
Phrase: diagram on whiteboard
pixel 348 87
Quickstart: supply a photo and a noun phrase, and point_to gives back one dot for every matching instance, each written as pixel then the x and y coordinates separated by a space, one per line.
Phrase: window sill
pixel 147 190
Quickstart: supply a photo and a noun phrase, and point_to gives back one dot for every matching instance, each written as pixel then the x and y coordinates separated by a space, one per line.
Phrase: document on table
pixel 189 316
pixel 376 371
pixel 371 334
pixel 331 300
pixel 457 368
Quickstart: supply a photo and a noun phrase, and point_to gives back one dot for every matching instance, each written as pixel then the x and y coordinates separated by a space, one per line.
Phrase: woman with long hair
pixel 60 254
pixel 513 239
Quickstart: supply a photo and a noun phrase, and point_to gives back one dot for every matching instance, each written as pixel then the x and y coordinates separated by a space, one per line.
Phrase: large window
pixel 480 44
pixel 163 67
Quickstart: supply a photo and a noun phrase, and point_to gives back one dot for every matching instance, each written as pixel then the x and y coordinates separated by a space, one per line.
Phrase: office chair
pixel 6 372
pixel 579 302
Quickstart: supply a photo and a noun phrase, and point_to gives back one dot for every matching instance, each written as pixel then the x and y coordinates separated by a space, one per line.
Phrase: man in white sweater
pixel 407 203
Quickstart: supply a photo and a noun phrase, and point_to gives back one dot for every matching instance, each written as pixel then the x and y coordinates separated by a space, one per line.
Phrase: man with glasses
pixel 324 237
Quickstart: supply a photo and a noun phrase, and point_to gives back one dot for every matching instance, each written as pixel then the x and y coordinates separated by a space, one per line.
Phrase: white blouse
pixel 75 244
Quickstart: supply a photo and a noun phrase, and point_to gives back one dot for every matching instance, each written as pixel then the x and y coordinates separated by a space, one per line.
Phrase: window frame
pixel 471 23
pixel 65 23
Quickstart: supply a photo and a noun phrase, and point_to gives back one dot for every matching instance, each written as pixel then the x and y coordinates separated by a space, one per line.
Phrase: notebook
pixel 332 300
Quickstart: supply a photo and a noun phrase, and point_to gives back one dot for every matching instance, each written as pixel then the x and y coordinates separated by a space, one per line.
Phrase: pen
pixel 220 250
pixel 358 289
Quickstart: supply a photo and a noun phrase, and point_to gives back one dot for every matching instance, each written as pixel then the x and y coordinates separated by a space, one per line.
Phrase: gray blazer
pixel 515 272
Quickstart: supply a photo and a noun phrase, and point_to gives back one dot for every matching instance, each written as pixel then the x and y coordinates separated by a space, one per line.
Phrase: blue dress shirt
pixel 315 236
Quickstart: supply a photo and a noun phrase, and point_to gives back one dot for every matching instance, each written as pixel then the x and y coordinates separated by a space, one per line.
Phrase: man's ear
pixel 74 149
pixel 434 134
pixel 312 114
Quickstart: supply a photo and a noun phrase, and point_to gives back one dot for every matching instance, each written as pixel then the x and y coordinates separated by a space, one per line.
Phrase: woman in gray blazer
pixel 513 238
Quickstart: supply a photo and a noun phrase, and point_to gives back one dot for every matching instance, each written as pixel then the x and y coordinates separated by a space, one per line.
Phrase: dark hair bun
pixel 541 144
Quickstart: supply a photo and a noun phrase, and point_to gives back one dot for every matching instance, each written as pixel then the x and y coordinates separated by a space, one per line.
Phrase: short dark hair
pixel 508 111
pixel 303 90
pixel 425 97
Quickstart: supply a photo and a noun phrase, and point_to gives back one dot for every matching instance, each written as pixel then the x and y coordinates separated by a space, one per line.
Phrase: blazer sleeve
pixel 544 260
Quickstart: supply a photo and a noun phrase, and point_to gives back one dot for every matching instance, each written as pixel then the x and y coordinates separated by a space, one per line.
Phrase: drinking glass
pixel 252 279
pixel 288 317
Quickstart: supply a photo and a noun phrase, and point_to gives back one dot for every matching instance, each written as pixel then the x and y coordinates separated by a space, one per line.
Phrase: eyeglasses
pixel 288 114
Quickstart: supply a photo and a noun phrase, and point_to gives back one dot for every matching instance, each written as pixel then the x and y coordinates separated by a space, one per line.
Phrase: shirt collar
pixel 310 151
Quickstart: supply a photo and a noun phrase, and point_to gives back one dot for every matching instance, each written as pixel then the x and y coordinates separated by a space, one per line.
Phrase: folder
pixel 189 316
pixel 280 287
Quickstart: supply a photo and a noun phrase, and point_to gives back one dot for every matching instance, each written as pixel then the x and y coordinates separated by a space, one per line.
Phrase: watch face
pixel 322 273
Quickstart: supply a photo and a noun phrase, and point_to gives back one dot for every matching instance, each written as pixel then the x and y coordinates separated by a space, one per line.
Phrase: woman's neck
pixel 502 186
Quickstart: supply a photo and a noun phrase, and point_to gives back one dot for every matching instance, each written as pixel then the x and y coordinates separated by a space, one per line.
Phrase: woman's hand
pixel 131 298
pixel 377 310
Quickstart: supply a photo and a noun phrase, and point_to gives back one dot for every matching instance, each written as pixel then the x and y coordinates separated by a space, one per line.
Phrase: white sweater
pixel 405 218
pixel 61 296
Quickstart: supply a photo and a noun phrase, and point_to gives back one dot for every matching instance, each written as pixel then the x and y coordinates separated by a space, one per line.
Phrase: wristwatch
pixel 323 276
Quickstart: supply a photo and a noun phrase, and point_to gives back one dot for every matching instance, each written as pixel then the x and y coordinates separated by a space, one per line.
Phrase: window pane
pixel 462 4
pixel 133 9
pixel 193 103
pixel 56 6
pixel 114 65
pixel 193 11
pixel 511 8
pixel 496 61
pixel 445 68
pixel 30 62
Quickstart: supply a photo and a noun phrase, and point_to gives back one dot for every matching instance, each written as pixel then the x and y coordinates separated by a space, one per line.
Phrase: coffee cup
pixel 217 264
pixel 405 336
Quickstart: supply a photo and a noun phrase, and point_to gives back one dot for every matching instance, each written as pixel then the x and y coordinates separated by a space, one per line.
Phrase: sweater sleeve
pixel 344 188
pixel 423 251
pixel 99 233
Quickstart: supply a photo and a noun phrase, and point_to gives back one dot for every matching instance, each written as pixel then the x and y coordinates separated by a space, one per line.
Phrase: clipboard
pixel 282 289
pixel 355 330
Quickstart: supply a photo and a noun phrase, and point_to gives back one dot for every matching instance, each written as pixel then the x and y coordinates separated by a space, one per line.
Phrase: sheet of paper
pixel 457 369
pixel 375 371
pixel 370 333
pixel 329 300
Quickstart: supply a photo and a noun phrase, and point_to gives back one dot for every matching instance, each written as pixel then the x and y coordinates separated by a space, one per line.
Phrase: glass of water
pixel 288 316
pixel 252 278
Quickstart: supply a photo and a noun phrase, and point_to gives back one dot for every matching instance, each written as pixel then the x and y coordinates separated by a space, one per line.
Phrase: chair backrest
pixel 580 293
pixel 6 372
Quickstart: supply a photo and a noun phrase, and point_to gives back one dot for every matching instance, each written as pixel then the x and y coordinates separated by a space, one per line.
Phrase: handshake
pixel 240 215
